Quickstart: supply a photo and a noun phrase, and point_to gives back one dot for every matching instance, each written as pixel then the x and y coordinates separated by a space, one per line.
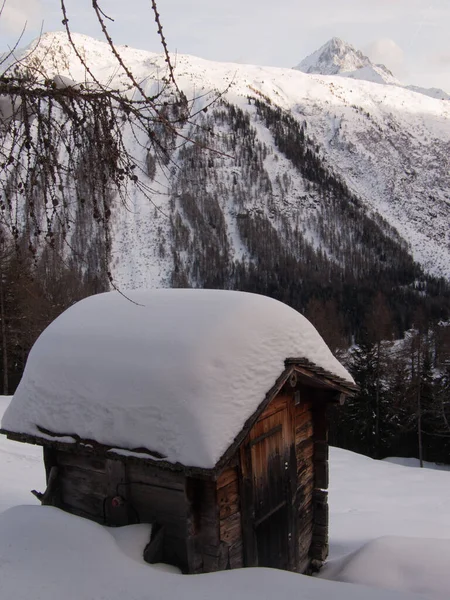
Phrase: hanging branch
pixel 164 44
pixel 70 150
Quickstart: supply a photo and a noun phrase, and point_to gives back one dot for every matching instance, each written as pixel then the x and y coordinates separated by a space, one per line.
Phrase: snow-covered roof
pixel 175 371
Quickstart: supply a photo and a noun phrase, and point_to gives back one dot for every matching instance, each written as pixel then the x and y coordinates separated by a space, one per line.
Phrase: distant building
pixel 202 412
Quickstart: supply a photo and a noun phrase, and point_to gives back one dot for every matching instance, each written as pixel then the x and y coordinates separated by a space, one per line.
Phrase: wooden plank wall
pixel 87 485
pixel 159 496
pixel 319 546
pixel 304 449
pixel 214 529
pixel 274 485
pixel 202 518
pixel 83 484
pixel 204 548
pixel 230 527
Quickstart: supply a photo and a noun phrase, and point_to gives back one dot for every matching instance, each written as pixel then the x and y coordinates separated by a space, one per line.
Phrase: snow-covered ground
pixel 389 525
pixel 414 462
pixel 389 528
pixel 21 469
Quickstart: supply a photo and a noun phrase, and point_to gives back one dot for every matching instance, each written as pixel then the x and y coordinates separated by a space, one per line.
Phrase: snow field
pixel 21 469
pixel 417 565
pixel 47 554
pixel 389 524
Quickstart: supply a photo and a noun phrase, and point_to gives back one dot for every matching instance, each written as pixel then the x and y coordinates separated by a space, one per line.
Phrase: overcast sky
pixel 411 37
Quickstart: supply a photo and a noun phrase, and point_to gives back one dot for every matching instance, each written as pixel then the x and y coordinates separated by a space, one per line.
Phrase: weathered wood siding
pixel 268 469
pixel 88 484
pixel 319 546
pixel 312 469
pixel 159 496
pixel 214 523
pixel 83 484
pixel 230 527
pixel 204 548
pixel 269 507
pixel 304 450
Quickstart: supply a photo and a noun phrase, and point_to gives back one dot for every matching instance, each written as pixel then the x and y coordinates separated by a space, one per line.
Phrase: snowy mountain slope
pixel 387 146
pixel 337 57
pixel 432 92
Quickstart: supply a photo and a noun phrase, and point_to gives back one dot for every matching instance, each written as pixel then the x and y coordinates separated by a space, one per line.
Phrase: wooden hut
pixel 201 412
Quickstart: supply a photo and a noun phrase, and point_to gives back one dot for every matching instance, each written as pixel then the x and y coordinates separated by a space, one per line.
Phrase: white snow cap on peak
pixel 337 57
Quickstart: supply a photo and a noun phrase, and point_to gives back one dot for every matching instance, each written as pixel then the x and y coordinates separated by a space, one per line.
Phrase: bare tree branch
pixel 65 145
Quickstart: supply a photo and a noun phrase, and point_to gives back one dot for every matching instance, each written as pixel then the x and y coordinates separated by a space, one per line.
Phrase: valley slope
pixel 315 185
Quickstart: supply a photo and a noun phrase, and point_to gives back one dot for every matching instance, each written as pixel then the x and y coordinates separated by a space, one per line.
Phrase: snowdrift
pixel 416 565
pixel 68 557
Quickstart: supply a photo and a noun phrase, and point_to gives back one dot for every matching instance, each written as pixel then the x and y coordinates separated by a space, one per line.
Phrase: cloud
pixel 18 12
pixel 442 60
pixel 387 52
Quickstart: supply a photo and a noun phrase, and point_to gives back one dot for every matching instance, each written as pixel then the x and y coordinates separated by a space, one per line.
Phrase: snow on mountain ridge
pixel 52 54
pixel 432 92
pixel 390 146
pixel 337 57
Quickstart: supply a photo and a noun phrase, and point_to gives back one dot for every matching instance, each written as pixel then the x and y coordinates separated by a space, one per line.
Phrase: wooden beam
pixel 49 497
pixel 96 449
pixel 265 435
pixel 154 551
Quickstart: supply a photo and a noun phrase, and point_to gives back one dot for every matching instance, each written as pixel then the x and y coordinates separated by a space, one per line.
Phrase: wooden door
pixel 270 458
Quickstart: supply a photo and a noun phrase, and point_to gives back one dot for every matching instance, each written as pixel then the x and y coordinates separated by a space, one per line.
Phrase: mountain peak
pixel 338 57
pixel 339 45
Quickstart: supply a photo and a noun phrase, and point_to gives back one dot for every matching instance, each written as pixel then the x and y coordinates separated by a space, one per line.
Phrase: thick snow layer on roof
pixel 178 373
